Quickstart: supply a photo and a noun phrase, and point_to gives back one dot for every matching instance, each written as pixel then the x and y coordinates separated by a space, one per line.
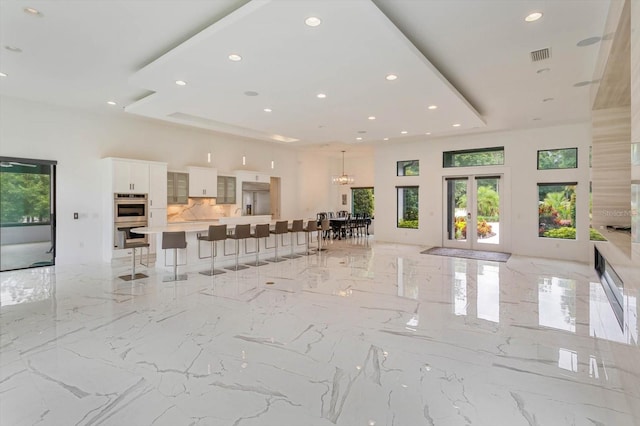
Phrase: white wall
pixel 79 139
pixel 317 193
pixel 519 192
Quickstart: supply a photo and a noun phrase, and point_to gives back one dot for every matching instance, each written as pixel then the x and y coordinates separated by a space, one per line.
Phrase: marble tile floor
pixel 363 334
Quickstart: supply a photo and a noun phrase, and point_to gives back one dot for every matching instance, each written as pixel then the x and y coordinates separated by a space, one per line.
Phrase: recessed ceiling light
pixel 235 57
pixel 404 132
pixel 181 83
pixel 543 70
pixel 3 74
pixel 548 99
pixel 312 21
pixel 358 138
pixel 31 11
pixel 433 107
pixel 267 110
pixel 371 117
pixel 111 103
pixel 456 125
pixel 13 49
pixel 532 17
pixel 321 95
pixel 385 139
pixel 428 133
pixel 391 77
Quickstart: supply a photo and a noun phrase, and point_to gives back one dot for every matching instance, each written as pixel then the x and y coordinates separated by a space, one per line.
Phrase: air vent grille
pixel 540 55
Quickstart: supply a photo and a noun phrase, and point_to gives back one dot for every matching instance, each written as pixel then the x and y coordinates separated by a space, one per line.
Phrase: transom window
pixel 474 157
pixel 408 168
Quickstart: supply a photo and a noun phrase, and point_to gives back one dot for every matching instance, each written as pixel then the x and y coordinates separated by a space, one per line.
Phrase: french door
pixel 472 209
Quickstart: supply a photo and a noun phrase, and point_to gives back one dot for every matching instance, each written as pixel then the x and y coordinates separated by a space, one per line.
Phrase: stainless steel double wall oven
pixel 129 211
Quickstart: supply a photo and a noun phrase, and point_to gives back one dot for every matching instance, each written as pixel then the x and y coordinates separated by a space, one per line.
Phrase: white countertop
pixel 203 226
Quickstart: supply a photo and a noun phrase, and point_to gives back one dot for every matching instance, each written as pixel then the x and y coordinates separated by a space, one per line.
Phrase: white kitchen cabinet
pixel 157 217
pixel 130 177
pixel 157 186
pixel 203 182
pixel 249 176
pixel 226 190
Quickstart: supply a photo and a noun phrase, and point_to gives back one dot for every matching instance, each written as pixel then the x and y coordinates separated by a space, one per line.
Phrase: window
pixel 362 201
pixel 408 168
pixel 474 157
pixel 566 158
pixel 407 207
pixel 557 210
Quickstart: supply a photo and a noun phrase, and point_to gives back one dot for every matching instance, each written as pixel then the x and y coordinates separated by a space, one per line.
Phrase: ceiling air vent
pixel 540 55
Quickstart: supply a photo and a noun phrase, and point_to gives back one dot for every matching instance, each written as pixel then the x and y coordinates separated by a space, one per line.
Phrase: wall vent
pixel 540 55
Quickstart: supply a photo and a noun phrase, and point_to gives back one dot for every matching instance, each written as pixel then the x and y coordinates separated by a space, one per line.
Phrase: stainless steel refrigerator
pixel 256 199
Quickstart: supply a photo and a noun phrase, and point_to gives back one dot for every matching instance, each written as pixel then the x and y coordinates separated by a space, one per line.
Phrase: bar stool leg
pixel 175 276
pixel 213 270
pixel 134 275
pixel 276 258
pixel 292 255
pixel 237 267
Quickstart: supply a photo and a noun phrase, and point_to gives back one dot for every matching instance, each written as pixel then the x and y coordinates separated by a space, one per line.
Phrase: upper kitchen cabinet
pixel 203 182
pixel 157 186
pixel 226 190
pixel 130 177
pixel 249 176
pixel 177 188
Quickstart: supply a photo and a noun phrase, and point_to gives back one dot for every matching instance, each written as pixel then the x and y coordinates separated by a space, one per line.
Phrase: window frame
pixel 406 163
pixel 449 164
pixel 573 224
pixel 575 149
pixel 404 187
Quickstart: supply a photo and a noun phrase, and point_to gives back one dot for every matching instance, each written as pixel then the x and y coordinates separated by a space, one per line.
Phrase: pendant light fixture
pixel 343 179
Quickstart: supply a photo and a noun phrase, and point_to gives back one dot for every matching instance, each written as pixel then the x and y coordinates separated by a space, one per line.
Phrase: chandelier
pixel 343 179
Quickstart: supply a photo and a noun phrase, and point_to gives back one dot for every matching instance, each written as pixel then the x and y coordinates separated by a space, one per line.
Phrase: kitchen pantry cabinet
pixel 157 186
pixel 130 177
pixel 157 217
pixel 203 182
pixel 177 188
pixel 226 190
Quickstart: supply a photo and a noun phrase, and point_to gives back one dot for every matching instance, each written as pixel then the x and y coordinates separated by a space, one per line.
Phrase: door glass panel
pixel 488 210
pixel 26 214
pixel 457 209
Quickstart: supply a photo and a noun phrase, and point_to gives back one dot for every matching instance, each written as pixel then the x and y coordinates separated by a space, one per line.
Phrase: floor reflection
pixel 488 277
pixel 557 303
pixel 27 286
pixel 603 323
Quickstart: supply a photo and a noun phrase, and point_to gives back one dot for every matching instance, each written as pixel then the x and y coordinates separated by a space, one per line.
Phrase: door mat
pixel 468 254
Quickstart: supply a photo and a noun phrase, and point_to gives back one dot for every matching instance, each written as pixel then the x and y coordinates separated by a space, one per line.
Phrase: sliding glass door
pixel 27 213
pixel 472 208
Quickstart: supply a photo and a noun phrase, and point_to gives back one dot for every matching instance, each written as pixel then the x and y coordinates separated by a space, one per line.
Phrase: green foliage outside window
pixel 363 201
pixel 408 207
pixel 24 197
pixel 476 157
pixel 558 159
pixel 557 210
pixel 408 168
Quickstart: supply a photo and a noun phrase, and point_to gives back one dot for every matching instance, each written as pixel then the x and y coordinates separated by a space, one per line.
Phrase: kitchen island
pixel 226 250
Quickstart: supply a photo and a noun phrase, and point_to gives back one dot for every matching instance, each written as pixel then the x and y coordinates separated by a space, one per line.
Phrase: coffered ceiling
pixel 470 60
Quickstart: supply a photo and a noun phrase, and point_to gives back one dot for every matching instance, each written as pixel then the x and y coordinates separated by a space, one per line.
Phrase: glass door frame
pixel 52 164
pixel 472 242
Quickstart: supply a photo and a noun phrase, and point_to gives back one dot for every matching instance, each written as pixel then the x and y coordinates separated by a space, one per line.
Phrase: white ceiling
pixel 471 58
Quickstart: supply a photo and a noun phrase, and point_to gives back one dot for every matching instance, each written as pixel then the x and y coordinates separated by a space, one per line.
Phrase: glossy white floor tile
pixel 363 334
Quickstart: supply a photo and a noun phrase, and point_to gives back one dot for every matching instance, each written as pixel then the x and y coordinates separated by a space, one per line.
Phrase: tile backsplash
pixel 200 209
